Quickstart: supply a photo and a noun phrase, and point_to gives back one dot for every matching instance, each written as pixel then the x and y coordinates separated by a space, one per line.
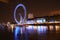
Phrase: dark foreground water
pixel 31 33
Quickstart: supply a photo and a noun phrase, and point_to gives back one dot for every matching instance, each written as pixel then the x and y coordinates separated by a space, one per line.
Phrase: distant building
pixel 30 19
pixel 30 16
pixel 33 20
pixel 40 20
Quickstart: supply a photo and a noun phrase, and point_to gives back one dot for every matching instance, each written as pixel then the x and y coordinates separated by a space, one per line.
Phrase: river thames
pixel 31 33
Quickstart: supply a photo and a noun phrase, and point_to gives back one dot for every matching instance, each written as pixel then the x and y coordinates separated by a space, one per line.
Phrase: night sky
pixel 38 7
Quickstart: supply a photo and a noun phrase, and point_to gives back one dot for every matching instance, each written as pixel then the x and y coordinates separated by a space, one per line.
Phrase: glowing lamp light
pixel 30 22
pixel 41 20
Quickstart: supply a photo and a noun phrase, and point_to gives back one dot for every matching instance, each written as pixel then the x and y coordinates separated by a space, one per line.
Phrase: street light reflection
pixel 42 29
pixel 57 28
pixel 51 27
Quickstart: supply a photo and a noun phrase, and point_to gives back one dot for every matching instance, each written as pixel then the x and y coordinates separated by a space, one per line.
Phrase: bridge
pixel 40 24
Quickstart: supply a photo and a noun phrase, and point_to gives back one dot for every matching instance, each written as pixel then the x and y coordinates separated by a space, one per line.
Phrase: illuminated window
pixel 30 22
pixel 41 20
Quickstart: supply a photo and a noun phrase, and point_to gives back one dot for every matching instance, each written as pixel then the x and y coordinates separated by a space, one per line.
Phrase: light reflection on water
pixel 51 28
pixel 57 28
pixel 32 29
pixel 42 29
pixel 18 35
pixel 17 32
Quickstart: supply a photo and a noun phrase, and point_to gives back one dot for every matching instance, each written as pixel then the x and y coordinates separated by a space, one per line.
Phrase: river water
pixel 31 33
pixel 38 33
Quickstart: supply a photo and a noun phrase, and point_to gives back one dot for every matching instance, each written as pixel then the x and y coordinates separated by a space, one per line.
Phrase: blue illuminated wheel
pixel 19 5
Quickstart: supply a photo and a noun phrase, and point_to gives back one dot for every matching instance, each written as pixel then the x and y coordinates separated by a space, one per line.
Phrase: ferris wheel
pixel 22 18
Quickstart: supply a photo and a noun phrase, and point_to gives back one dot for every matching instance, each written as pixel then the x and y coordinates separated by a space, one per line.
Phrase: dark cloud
pixel 4 1
pixel 37 7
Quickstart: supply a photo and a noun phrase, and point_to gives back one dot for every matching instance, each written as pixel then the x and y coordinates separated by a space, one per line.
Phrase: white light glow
pixel 29 27
pixel 42 29
pixel 41 20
